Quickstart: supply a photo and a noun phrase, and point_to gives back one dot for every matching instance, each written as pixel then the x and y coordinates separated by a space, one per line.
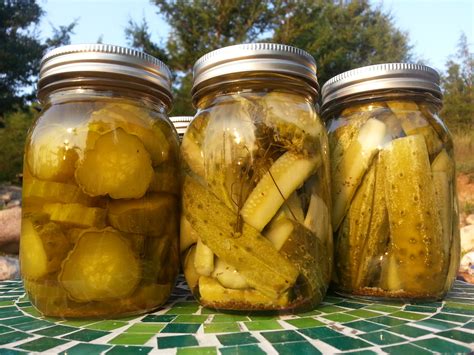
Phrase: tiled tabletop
pixel 339 325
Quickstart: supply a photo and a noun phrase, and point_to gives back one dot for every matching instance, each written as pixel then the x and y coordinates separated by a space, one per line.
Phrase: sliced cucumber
pixel 190 273
pixel 443 163
pixel 350 171
pixel 228 276
pixel 415 228
pixel 279 232
pixel 286 175
pixel 244 249
pixel 188 235
pixel 203 259
pixel 50 191
pixel 75 214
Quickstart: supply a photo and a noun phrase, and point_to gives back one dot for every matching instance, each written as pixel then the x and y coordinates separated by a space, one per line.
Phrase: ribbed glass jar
pixel 395 212
pixel 100 197
pixel 255 223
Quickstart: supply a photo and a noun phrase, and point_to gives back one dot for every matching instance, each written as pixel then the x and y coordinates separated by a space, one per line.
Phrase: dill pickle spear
pixel 75 214
pixel 247 250
pixel 415 228
pixel 348 174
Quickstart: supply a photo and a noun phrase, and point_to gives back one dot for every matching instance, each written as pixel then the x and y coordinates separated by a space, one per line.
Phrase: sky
pixel 433 26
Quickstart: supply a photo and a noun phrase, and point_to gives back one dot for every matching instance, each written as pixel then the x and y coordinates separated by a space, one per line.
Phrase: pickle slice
pixel 75 214
pixel 101 267
pixel 190 273
pixel 148 215
pixel 228 276
pixel 247 250
pixel 351 168
pixel 286 175
pixel 358 216
pixel 119 166
pixel 279 232
pixel 377 237
pixel 415 228
pixel 203 259
pixel 317 218
pixel 443 163
pixel 43 248
pixel 188 235
pixel 213 294
pixel 51 155
pixel 48 191
pixel 192 155
pixel 135 121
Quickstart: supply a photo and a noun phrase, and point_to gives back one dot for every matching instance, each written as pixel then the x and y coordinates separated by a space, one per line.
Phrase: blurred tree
pixel 198 27
pixel 21 50
pixel 458 101
pixel 341 35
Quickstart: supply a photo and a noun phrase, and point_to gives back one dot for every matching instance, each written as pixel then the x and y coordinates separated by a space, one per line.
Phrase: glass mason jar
pixel 395 212
pixel 255 222
pixel 100 198
pixel 181 124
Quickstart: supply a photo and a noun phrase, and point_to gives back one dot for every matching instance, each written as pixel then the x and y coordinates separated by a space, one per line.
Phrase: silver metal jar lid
pixel 253 58
pixel 181 123
pixel 107 65
pixel 381 77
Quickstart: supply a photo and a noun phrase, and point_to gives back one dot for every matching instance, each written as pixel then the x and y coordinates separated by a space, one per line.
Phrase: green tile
pixel 236 339
pixel 282 336
pixel 86 335
pixel 389 321
pixel 79 322
pixel 408 315
pixel 11 352
pixel 436 324
pixel 107 325
pixel 263 325
pixel 183 310
pixel 469 325
pixel 365 326
pixel 299 347
pixel 330 309
pixel 190 319
pixel 41 344
pixel 16 320
pixel 261 317
pixel 405 349
pixel 12 337
pixel 55 330
pixel 163 318
pixel 441 346
pixel 197 351
pixel 319 332
pixel 178 341
pixel 458 335
pixel 181 328
pixel 459 305
pixel 186 304
pixel 346 343
pixel 382 338
pixel 452 317
pixel 145 328
pixel 409 331
pixel 422 309
pixel 304 322
pixel 363 352
pixel 242 350
pixel 5 329
pixel 6 303
pixel 24 304
pixel 221 327
pixel 382 308
pixel 229 318
pixel 309 313
pixel 129 350
pixel 458 311
pixel 363 313
pixel 32 311
pixel 36 324
pixel 130 339
pixel 340 317
pixel 352 305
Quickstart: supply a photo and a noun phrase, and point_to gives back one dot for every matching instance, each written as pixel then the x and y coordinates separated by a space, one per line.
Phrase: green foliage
pixel 340 35
pixel 458 101
pixel 21 50
pixel 12 141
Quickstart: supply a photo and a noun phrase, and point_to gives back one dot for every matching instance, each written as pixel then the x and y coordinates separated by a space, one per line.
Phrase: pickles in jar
pixel 396 238
pixel 249 238
pixel 97 238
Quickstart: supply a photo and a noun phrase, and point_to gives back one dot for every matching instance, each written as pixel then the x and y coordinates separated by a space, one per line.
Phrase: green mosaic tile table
pixel 339 325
